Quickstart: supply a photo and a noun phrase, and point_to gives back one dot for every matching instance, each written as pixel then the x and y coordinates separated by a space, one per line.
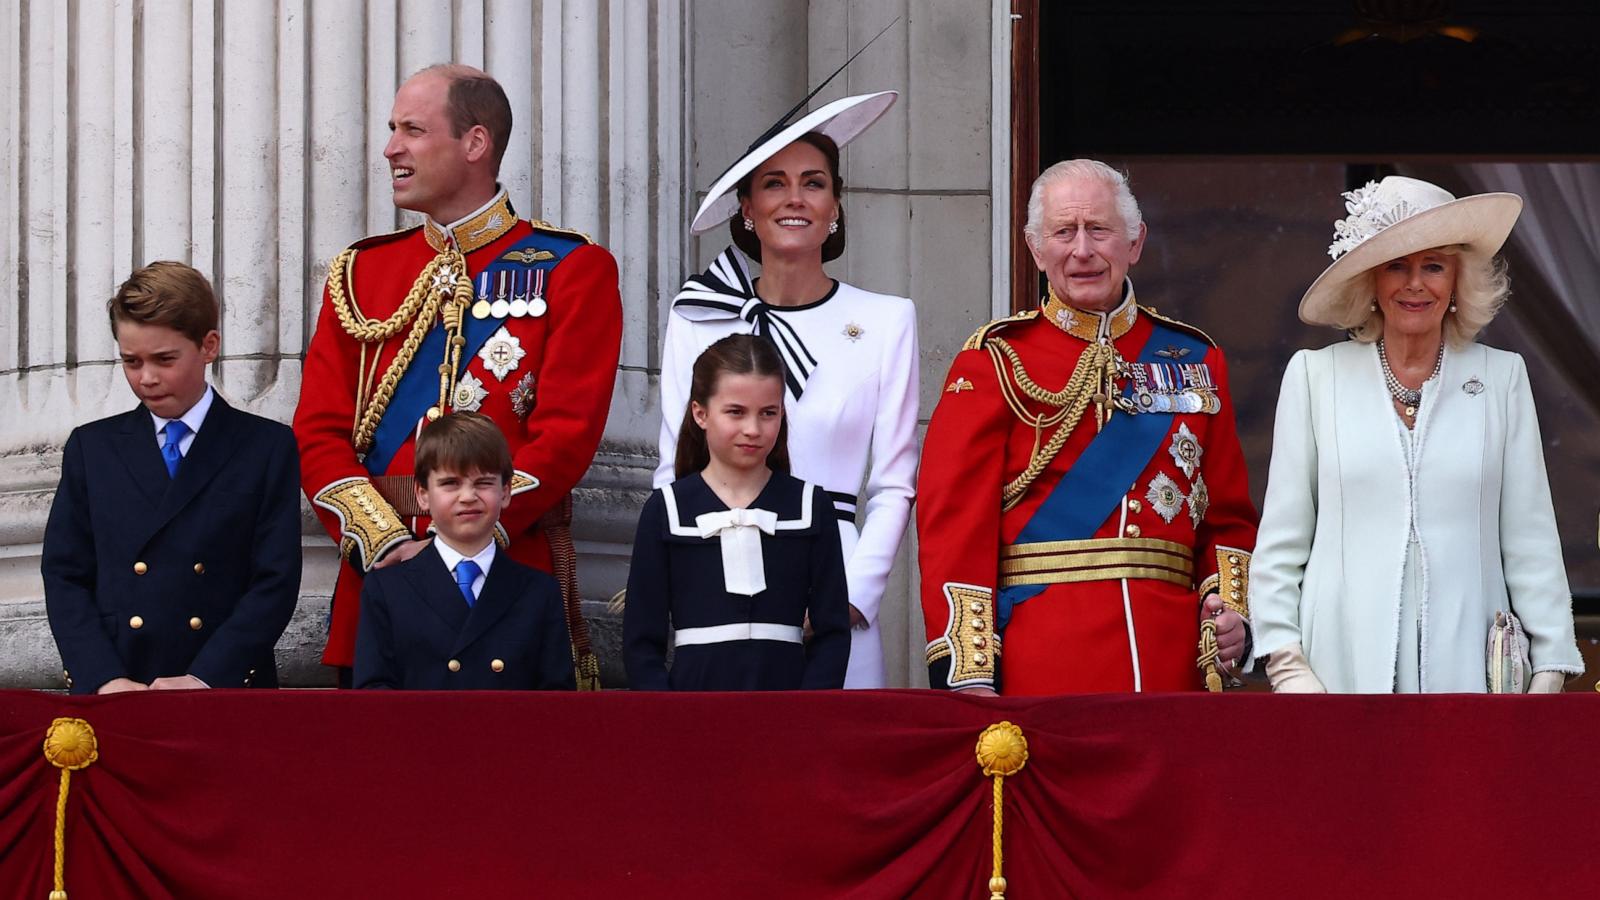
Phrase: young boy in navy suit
pixel 461 614
pixel 172 553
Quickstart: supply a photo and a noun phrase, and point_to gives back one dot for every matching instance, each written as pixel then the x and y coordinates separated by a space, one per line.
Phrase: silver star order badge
pixel 1199 501
pixel 1186 450
pixel 469 393
pixel 1165 497
pixel 501 353
pixel 523 396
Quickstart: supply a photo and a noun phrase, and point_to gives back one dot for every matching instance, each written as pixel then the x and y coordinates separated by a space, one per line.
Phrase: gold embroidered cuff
pixel 1232 581
pixel 969 639
pixel 370 526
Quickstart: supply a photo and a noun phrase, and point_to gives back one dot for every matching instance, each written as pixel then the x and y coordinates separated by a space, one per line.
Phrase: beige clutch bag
pixel 1509 669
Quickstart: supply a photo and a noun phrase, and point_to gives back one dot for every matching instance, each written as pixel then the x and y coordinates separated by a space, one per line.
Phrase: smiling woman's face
pixel 1414 292
pixel 791 201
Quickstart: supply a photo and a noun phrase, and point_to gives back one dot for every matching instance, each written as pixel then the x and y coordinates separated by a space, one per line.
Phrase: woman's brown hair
pixel 833 247
pixel 736 354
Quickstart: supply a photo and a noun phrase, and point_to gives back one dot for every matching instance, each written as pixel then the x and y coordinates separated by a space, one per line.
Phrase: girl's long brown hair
pixel 736 354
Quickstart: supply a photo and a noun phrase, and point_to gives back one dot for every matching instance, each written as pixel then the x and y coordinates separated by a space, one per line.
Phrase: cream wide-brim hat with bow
pixel 1397 217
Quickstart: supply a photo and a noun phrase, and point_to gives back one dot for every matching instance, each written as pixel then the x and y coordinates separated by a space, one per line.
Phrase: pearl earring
pixel 833 227
pixel 748 224
pixel 1373 308
pixel 1452 302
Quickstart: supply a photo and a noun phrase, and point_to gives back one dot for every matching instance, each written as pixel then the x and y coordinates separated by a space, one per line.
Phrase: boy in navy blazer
pixel 461 614
pixel 172 553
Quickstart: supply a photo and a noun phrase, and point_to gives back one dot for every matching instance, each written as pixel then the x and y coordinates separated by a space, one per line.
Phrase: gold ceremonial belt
pixel 1100 559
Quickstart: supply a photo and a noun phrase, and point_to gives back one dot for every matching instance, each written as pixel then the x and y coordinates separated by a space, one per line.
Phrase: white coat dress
pixel 1330 562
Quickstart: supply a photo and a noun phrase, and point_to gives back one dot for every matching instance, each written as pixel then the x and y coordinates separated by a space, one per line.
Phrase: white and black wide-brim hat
pixel 842 120
pixel 1396 217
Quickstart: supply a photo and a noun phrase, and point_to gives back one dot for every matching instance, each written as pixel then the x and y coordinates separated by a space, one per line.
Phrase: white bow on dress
pixel 739 531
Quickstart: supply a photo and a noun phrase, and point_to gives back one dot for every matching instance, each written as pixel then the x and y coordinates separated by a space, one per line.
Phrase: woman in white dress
pixel 1407 503
pixel 851 355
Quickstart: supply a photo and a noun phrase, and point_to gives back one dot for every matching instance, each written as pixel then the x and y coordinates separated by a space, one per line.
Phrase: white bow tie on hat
pixel 739 532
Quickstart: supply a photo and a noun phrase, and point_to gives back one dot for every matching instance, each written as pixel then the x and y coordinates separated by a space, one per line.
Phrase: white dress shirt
pixel 453 557
pixel 193 418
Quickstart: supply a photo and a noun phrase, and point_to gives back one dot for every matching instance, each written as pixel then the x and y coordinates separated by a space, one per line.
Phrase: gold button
pixel 136 622
pixel 977 606
pixel 1234 560
pixel 1135 506
pixel 433 414
pixel 978 625
pixel 453 665
pixel 979 658
pixel 497 665
pixel 1234 594
pixel 977 641
pixel 199 568
pixel 140 568
pixel 195 623
pixel 1133 531
pixel 1233 582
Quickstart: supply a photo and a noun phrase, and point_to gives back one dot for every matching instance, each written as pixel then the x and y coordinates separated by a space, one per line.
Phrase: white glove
pixel 1290 672
pixel 1547 683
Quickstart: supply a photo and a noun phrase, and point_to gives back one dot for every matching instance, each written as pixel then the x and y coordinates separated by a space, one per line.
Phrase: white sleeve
pixel 1530 545
pixel 1288 518
pixel 891 482
pixel 678 354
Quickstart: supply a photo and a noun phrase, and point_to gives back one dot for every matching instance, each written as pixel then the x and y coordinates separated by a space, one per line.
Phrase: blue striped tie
pixel 467 572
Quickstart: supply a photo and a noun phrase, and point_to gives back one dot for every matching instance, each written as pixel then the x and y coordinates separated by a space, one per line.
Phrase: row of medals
pixel 529 302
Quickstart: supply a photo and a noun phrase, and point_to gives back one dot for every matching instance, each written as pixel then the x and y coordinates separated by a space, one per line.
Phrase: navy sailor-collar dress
pixel 734 588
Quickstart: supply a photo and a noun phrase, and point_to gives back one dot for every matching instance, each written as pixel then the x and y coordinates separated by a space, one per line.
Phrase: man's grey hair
pixel 1093 170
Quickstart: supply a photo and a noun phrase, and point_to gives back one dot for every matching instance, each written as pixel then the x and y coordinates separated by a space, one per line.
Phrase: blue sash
pixel 418 388
pixel 1093 488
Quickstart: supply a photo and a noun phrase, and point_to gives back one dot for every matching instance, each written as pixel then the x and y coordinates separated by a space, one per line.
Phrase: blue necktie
pixel 169 451
pixel 467 572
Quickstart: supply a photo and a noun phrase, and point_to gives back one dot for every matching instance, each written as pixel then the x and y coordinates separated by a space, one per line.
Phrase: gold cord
pixel 442 282
pixel 1208 655
pixel 1096 369
pixel 69 744
pixel 1002 751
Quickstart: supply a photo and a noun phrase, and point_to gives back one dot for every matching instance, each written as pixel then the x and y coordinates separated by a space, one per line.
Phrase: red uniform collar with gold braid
pixel 1088 325
pixel 480 228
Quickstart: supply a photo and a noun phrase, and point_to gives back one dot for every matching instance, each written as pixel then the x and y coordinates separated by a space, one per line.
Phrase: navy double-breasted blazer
pixel 147 576
pixel 418 633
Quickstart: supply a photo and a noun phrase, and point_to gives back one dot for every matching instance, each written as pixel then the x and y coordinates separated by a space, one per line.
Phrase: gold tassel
pixel 1208 655
pixel 1002 751
pixel 70 745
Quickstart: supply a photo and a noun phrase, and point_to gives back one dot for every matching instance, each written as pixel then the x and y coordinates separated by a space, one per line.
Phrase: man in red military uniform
pixel 475 309
pixel 1082 506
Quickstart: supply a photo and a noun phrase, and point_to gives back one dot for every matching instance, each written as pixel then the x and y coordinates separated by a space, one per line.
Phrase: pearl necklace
pixel 1407 397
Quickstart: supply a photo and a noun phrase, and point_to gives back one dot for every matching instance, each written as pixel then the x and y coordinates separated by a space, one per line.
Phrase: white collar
pixel 453 557
pixel 192 418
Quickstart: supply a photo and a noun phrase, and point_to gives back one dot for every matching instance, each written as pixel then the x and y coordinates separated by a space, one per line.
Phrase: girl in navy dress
pixel 736 558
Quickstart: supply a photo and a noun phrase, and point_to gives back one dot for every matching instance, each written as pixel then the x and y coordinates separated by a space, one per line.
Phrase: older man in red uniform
pixel 475 309
pixel 1083 506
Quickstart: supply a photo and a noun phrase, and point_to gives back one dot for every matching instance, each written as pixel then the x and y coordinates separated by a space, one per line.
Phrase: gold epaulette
pixel 541 225
pixel 1181 326
pixel 982 334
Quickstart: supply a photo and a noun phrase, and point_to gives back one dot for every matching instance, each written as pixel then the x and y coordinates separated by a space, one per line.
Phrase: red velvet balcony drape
pixel 256 794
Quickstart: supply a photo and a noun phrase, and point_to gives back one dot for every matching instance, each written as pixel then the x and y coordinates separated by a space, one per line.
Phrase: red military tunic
pixel 545 377
pixel 1114 608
